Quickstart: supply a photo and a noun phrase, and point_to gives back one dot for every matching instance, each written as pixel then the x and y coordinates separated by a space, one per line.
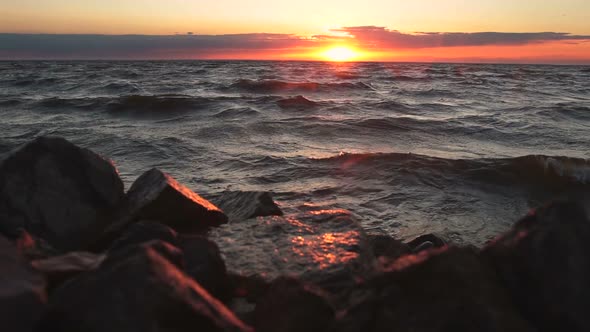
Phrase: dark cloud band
pixel 47 46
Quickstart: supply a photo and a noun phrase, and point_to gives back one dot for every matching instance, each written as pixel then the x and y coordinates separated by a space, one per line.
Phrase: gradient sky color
pixel 297 21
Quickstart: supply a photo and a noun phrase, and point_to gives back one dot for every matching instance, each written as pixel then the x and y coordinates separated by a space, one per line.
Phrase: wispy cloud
pixel 385 38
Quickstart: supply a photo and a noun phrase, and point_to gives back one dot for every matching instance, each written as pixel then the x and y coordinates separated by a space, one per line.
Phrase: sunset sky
pixel 533 31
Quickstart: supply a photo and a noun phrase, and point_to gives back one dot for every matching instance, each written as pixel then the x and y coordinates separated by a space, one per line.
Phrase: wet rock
pixel 327 247
pixel 387 246
pixel 203 263
pixel 22 291
pixel 240 205
pixel 437 290
pixel 249 287
pixel 59 269
pixel 137 291
pixel 145 231
pixel 157 196
pixel 32 247
pixel 57 191
pixel 171 253
pixel 425 242
pixel 544 260
pixel 293 306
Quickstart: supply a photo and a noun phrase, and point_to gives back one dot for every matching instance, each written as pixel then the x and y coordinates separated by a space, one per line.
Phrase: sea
pixel 459 150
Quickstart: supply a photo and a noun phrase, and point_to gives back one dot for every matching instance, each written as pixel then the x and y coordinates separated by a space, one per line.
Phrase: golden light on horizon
pixel 340 53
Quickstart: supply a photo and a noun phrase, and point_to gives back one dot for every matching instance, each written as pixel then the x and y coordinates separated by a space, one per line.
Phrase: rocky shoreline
pixel 78 253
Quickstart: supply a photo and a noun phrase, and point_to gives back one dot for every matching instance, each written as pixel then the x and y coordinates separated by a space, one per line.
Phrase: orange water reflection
pixel 327 249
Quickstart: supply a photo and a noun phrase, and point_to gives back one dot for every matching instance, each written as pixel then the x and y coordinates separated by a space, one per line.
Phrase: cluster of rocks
pixel 77 253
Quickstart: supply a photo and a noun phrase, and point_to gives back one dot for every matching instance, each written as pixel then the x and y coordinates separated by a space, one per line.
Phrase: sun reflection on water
pixel 327 249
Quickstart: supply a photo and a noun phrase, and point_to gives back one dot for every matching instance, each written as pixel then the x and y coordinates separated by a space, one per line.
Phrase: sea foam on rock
pixel 57 191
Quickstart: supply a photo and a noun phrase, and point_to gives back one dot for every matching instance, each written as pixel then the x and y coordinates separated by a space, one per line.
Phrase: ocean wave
pixel 120 87
pixel 159 103
pixel 296 102
pixel 240 112
pixel 348 76
pixel 405 78
pixel 436 93
pixel 567 110
pixel 274 86
pixel 404 123
pixel 539 170
pixel 130 103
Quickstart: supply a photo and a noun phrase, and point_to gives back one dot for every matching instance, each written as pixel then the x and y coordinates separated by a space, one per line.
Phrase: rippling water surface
pixel 461 150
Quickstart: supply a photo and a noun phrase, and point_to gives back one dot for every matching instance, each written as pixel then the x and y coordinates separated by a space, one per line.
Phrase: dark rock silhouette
pixel 22 291
pixel 145 231
pixel 441 290
pixel 203 262
pixel 157 266
pixel 139 291
pixel 156 196
pixel 57 191
pixel 240 205
pixel 545 263
pixel 290 305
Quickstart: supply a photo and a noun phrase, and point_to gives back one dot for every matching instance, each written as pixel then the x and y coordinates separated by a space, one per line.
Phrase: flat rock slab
pixel 545 263
pixel 22 291
pixel 240 205
pixel 58 269
pixel 157 196
pixel 138 290
pixel 57 191
pixel 316 246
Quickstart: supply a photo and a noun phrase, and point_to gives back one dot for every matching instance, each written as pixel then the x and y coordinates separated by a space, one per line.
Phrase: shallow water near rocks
pixel 456 149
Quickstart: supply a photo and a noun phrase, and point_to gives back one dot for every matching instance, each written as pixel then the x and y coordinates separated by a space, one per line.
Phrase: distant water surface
pixel 460 150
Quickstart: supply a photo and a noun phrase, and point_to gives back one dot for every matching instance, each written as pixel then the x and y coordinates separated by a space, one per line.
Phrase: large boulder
pixel 22 291
pixel 145 231
pixel 203 262
pixel 545 263
pixel 155 195
pixel 327 247
pixel 290 305
pixel 240 205
pixel 433 291
pixel 57 191
pixel 139 290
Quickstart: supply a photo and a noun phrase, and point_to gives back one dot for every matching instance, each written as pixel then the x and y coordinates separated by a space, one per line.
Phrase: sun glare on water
pixel 340 53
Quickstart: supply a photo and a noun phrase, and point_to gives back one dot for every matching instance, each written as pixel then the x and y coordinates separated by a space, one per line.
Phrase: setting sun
pixel 340 53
